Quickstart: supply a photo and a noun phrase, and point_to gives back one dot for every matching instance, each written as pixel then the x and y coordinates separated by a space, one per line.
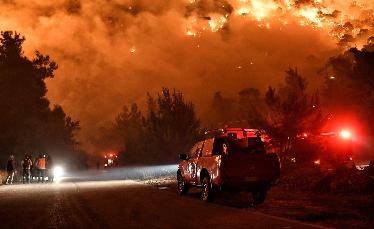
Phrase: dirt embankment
pixel 302 201
pixel 349 210
pixel 339 198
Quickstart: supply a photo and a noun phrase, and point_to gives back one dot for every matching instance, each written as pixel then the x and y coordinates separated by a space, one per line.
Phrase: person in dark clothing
pixel 259 146
pixel 26 168
pixel 49 167
pixel 34 170
pixel 11 169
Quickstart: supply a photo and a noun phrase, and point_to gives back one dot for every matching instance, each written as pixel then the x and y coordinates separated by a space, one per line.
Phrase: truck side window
pixel 220 146
pixel 208 147
pixel 196 150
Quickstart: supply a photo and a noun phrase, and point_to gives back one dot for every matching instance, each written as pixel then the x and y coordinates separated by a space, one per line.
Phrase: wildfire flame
pixel 337 19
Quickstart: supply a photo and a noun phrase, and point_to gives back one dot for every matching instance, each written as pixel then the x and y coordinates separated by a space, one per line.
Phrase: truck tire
pixel 259 196
pixel 181 186
pixel 206 192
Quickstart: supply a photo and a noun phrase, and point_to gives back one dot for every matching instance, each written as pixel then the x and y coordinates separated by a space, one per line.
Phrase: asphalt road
pixel 120 204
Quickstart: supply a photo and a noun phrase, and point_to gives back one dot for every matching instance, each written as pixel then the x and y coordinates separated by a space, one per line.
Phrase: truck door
pixel 195 153
pixel 207 160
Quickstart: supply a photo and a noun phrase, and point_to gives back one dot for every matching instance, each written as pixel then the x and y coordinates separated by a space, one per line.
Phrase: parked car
pixel 232 159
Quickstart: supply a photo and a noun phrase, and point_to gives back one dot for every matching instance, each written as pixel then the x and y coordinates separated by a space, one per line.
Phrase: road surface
pixel 120 204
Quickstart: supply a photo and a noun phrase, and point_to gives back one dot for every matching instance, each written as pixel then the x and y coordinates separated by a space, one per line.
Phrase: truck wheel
pixel 207 193
pixel 182 186
pixel 259 196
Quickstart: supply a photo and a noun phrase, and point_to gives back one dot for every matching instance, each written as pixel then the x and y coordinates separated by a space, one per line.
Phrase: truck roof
pixel 239 132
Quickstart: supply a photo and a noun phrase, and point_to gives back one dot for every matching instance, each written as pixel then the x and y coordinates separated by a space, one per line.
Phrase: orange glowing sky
pixel 111 52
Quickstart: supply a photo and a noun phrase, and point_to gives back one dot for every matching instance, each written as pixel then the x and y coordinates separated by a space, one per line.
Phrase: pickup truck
pixel 232 159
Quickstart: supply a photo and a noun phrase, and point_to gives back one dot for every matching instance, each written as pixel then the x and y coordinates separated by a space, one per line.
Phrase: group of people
pixel 39 168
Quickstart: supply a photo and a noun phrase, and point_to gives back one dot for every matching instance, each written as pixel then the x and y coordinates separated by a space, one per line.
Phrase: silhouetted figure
pixel 26 168
pixel 49 167
pixel 34 169
pixel 11 169
pixel 259 146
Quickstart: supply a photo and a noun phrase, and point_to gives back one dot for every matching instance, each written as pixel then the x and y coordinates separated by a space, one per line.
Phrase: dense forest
pixel 29 124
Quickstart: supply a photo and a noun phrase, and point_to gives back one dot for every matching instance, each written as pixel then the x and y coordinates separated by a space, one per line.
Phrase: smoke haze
pixel 111 52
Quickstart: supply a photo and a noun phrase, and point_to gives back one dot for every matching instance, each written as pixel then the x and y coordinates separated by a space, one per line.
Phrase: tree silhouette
pixel 251 108
pixel 168 128
pixel 172 125
pixel 222 112
pixel 292 110
pixel 349 84
pixel 130 128
pixel 28 124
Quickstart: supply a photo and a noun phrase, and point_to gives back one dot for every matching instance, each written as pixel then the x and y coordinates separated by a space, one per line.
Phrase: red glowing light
pixel 111 155
pixel 317 162
pixel 345 134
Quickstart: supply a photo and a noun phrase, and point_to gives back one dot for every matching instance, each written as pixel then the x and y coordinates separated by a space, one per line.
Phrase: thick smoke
pixel 111 52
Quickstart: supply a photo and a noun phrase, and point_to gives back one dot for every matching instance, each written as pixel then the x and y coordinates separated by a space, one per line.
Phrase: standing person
pixel 26 166
pixel 40 164
pixel 11 169
pixel 34 170
pixel 49 166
